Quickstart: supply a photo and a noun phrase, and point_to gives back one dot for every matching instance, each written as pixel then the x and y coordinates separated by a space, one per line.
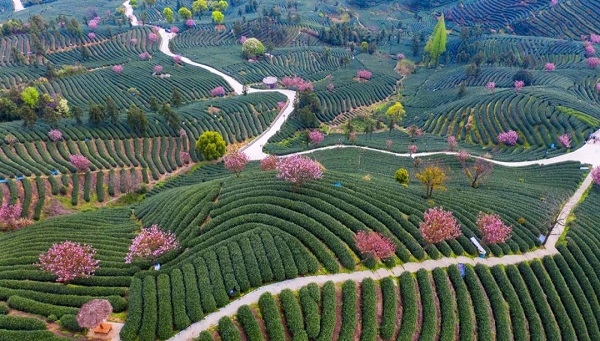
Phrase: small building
pixel 270 82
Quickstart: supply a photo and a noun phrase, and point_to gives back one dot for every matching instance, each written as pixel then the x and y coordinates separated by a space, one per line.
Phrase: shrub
pixel 149 313
pixel 401 176
pixel 252 48
pixel 165 314
pixel 211 145
pixel 11 322
pixel 228 331
pixel 368 306
pixel 271 317
pixel 348 310
pixel 3 308
pixel 236 162
pixel 293 315
pixel 249 324
pixel 69 322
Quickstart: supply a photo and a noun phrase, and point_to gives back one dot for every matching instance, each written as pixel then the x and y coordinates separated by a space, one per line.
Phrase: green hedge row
pixel 349 310
pixel 311 311
pixel 293 315
pixel 228 331
pixel 270 314
pixel 248 322
pixel 11 322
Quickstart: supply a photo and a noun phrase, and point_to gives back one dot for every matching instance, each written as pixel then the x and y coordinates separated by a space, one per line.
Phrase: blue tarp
pixel 337 184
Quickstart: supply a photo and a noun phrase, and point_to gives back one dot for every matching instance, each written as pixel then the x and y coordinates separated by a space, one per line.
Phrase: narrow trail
pixel 588 154
pixel 18 5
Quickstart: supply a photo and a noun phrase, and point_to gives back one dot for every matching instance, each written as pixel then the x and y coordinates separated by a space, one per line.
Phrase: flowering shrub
pixel 243 39
pixel 593 62
pixel 182 132
pixel 155 29
pixel 364 74
pixel 133 41
pixel 10 217
pixel 414 131
pixel 69 260
pixel 269 163
pixel 158 69
pixel 519 85
pixel 190 23
pixel 185 157
pixel 151 242
pixel 330 87
pixel 509 138
pixel 374 245
pixel 297 82
pixel 589 49
pixel 596 175
pixel 55 135
pixel 598 87
pixel 388 144
pixel 298 170
pixel 80 162
pixel 10 139
pixel 117 69
pixel 235 162
pixel 412 149
pixel 177 59
pixel 92 35
pixel 595 38
pixel 93 24
pixel 463 156
pixel 439 225
pixel 144 55
pixel 493 230
pixel 452 144
pixel 550 67
pixel 174 29
pixel 565 140
pixel 553 3
pixel 218 91
pixel 400 56
pixel 490 86
pixel 316 137
pixel 280 105
pixel 153 37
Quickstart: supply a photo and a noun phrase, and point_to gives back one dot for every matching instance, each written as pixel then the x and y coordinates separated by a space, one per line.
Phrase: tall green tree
pixel 172 117
pixel 112 111
pixel 176 98
pixel 211 145
pixel 436 45
pixel 136 118
pixel 96 113
pixel 169 15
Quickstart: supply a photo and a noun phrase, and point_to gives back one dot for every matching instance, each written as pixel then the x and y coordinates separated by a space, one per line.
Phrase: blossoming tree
pixel 565 140
pixel 596 175
pixel 69 260
pixel 80 162
pixel 316 137
pixel 509 138
pixel 298 170
pixel 151 243
pixel 236 162
pixel 493 230
pixel 374 245
pixel 439 225
pixel 269 163
pixel 55 135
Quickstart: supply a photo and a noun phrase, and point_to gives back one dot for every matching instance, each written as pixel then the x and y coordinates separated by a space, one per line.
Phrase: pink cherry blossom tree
pixel 364 74
pixel 330 87
pixel 439 225
pixel 151 242
pixel 190 23
pixel 519 85
pixel 565 140
pixel 174 29
pixel 550 67
pixel 452 144
pixel 219 91
pixel 298 170
pixel 182 133
pixel 269 163
pixel 493 230
pixel 117 69
pixel 491 86
pixel 153 37
pixel 243 39
pixel 589 49
pixel 374 245
pixel 55 135
pixel 297 83
pixel 594 38
pixel 593 62
pixel 144 55
pixel 93 24
pixel 69 260
pixel 388 144
pixel 177 59
pixel 10 216
pixel 157 69
pixel 92 35
pixel 414 132
pixel 509 138
pixel 352 137
pixel 598 87
pixel 400 56
pixel 553 3
pixel 596 175
pixel 80 162
pixel 316 137
pixel 463 156
pixel 412 149
pixel 236 162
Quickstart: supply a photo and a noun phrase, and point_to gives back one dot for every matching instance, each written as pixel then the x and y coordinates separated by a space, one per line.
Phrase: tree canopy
pixel 211 145
pixel 436 45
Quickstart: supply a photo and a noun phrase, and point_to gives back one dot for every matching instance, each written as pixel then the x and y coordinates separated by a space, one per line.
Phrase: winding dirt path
pixel 588 154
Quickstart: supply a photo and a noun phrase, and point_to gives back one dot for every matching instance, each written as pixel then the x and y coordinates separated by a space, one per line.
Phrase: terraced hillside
pixel 241 233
